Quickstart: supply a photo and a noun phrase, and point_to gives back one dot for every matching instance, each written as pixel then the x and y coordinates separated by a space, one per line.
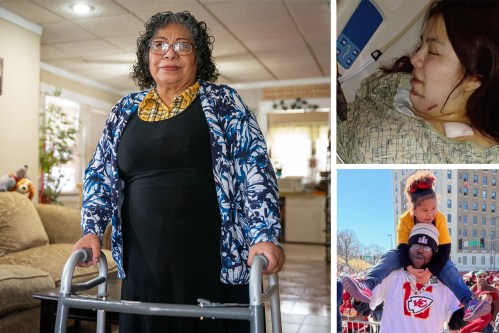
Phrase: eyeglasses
pixel 421 247
pixel 482 276
pixel 161 47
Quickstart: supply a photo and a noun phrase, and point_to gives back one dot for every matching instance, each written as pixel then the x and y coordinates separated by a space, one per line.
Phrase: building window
pixel 465 191
pixel 465 205
pixel 449 203
pixel 484 234
pixel 474 233
pixel 492 208
pixel 475 220
pixel 484 181
pixel 494 182
pixel 484 208
pixel 465 219
pixel 475 207
pixel 493 195
pixel 484 194
pixel 449 189
pixel 475 193
pixel 465 260
pixel 473 258
pixel 465 177
pixel 465 232
pixel 484 221
pixel 483 260
pixel 475 179
pixel 449 218
pixel 449 174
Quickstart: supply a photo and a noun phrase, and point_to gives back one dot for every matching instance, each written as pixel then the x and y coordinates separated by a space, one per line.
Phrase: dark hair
pixel 473 30
pixel 203 46
pixel 419 187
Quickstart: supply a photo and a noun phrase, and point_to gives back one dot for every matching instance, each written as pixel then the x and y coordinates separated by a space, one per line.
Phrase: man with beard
pixel 482 285
pixel 415 304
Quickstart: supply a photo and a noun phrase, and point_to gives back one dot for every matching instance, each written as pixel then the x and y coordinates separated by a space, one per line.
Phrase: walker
pixel 254 312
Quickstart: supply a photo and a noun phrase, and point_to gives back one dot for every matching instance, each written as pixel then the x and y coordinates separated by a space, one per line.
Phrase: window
pixel 492 208
pixel 475 207
pixel 449 189
pixel 465 232
pixel 64 118
pixel 483 260
pixel 484 181
pixel 483 234
pixel 449 174
pixel 465 191
pixel 494 182
pixel 484 194
pixel 465 219
pixel 484 208
pixel 465 205
pixel 484 221
pixel 465 260
pixel 475 193
pixel 465 177
pixel 474 233
pixel 475 179
pixel 293 146
pixel 475 220
pixel 449 218
pixel 493 195
pixel 449 203
pixel 473 258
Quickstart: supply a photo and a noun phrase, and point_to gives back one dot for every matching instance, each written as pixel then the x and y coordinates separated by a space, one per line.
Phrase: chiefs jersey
pixel 404 311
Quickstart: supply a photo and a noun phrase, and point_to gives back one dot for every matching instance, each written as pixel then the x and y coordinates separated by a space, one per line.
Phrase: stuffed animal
pixel 25 186
pixel 9 181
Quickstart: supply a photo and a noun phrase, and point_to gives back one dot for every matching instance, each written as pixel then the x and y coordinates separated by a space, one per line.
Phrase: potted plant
pixel 58 133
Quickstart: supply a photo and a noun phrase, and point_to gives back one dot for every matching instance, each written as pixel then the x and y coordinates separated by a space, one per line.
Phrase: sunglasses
pixel 482 276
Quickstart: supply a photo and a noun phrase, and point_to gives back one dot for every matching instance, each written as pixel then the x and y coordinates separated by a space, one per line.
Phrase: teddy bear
pixel 9 181
pixel 25 186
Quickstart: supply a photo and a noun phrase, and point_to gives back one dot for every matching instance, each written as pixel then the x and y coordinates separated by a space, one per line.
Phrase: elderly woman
pixel 183 174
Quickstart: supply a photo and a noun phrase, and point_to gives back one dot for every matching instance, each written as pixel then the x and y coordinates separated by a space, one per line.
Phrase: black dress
pixel 171 223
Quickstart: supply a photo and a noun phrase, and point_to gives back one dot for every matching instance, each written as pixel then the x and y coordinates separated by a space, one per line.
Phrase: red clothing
pixel 347 310
pixel 477 325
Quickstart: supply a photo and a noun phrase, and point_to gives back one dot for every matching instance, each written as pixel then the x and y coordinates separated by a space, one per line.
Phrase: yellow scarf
pixel 152 107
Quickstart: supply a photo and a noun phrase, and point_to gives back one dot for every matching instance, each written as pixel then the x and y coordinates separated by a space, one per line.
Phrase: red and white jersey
pixel 404 311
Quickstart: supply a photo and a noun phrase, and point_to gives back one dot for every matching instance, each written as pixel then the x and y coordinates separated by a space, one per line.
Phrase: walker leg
pixel 275 306
pixel 61 321
pixel 257 322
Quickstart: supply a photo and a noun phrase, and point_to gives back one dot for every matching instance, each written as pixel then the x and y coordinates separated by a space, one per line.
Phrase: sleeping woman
pixel 439 105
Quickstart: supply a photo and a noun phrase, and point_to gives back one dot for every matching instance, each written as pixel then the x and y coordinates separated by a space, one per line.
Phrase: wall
pixel 19 102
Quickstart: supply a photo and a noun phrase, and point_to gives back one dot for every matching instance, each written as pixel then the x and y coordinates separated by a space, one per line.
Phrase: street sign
pixel 470 243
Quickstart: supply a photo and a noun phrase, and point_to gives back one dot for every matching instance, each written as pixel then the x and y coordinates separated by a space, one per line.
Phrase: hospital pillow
pixel 378 132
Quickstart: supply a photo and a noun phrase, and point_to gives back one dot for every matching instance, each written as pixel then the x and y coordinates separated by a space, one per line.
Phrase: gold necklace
pixel 414 289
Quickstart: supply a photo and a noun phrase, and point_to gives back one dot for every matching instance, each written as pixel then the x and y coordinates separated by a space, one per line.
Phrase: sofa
pixel 35 243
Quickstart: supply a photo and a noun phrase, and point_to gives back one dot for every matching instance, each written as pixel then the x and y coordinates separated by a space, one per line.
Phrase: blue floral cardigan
pixel 245 181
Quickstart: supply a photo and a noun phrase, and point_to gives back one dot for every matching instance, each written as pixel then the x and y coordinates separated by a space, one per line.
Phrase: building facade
pixel 468 199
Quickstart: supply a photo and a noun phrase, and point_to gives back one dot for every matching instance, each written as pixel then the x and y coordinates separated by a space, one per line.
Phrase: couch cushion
pixel 18 284
pixel 20 225
pixel 51 258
